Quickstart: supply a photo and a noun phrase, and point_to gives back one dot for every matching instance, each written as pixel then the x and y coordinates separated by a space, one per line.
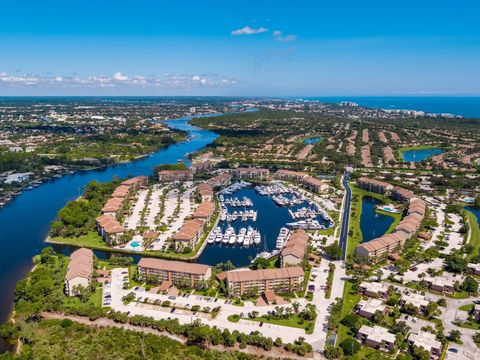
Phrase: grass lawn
pixel 467 307
pixel 350 299
pixel 331 272
pixel 95 299
pixel 473 225
pixel 461 295
pixel 91 240
pixel 470 325
pixel 294 321
pixel 233 318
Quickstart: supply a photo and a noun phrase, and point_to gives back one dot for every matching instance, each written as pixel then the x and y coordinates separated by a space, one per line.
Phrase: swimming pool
pixel 135 244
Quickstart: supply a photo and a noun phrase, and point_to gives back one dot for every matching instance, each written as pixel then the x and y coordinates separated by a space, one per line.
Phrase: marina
pixel 261 229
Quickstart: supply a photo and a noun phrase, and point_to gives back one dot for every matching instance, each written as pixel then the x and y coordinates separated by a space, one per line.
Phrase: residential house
pixel 414 299
pixel 427 341
pixel 376 337
pixel 368 308
pixel 374 290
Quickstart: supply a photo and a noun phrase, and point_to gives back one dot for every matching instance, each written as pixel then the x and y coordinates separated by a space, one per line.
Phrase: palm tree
pixel 296 306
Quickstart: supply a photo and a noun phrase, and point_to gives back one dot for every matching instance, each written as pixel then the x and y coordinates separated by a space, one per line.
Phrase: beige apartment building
pixel 283 279
pixel 177 272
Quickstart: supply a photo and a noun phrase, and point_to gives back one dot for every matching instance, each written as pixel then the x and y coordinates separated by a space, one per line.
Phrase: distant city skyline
pixel 266 48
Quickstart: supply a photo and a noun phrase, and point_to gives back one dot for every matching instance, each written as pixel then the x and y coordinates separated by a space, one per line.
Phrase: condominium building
pixel 177 272
pixel 308 181
pixel 376 186
pixel 220 180
pixel 113 206
pixel 175 175
pixel 109 229
pixel 380 247
pixel 205 191
pixel 290 175
pixel 401 194
pixel 138 182
pixel 252 173
pixel 204 211
pixel 279 280
pixel 383 246
pixel 189 234
pixel 79 271
pixel 293 253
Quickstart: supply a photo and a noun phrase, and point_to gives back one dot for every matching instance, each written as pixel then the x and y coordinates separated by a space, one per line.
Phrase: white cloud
pixel 278 34
pixel 247 30
pixel 287 38
pixel 118 80
pixel 119 76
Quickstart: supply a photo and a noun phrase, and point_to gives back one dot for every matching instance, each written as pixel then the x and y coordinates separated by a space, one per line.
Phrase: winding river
pixel 25 221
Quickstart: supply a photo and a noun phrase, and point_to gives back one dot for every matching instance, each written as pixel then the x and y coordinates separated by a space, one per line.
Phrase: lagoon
pixel 417 155
pixel 373 224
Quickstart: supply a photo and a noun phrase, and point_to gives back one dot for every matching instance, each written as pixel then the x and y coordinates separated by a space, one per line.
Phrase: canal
pixel 24 222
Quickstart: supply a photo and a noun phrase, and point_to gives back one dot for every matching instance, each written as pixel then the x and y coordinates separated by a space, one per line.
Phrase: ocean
pixel 466 106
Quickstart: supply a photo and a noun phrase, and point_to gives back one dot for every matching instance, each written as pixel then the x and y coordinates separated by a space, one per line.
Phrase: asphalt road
pixel 346 215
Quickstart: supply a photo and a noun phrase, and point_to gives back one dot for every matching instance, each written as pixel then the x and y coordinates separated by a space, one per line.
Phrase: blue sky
pixel 289 48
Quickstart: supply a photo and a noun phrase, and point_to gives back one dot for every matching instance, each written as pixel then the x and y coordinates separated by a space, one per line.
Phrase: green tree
pixel 333 251
pixel 454 336
pixel 470 285
pixel 350 346
pixel 420 353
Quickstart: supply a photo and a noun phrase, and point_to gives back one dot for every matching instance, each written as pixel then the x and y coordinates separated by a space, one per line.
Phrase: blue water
pixel 134 244
pixel 270 219
pixel 466 106
pixel 475 211
pixel 420 154
pixel 313 140
pixel 24 222
pixel 373 224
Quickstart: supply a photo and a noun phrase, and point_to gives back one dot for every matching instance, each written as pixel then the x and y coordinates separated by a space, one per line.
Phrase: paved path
pixel 345 214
